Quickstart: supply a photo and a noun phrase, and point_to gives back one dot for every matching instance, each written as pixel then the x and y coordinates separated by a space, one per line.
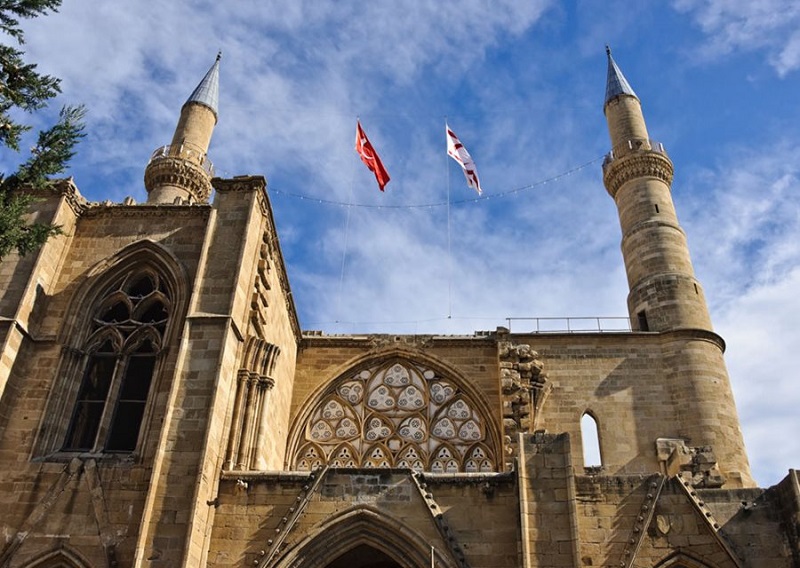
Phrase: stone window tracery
pixel 396 415
pixel 125 339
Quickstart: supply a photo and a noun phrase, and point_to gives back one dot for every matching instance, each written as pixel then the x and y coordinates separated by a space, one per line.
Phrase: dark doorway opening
pixel 364 556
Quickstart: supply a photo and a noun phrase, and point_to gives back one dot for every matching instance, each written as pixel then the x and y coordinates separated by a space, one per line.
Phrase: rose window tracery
pixel 399 415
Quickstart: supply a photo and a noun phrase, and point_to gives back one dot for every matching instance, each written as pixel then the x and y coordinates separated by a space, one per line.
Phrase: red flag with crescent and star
pixel 370 157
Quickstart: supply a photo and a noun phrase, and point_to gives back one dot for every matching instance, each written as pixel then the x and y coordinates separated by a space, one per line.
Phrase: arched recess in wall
pixel 61 558
pixel 364 527
pixel 398 410
pixel 590 440
pixel 115 339
pixel 683 560
pixel 143 252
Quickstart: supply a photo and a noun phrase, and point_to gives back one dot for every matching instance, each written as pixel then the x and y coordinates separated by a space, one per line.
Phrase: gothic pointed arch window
pixel 397 414
pixel 125 339
pixel 590 440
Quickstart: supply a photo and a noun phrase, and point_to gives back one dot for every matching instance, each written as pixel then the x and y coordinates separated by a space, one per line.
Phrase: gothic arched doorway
pixel 364 537
pixel 363 556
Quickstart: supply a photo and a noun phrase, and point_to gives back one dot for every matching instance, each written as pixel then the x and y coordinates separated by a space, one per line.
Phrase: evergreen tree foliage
pixel 22 88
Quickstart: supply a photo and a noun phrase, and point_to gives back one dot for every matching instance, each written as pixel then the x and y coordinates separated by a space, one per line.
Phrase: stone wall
pixel 291 519
pixel 627 382
pixel 149 507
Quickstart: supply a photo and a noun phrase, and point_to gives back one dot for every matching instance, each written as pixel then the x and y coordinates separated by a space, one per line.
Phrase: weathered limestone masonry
pixel 160 406
pixel 306 520
pixel 96 499
pixel 664 294
pixel 177 524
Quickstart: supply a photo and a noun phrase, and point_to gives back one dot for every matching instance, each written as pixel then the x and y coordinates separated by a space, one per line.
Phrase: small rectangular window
pixel 643 325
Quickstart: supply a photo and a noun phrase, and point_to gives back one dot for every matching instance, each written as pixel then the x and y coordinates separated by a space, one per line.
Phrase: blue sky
pixel 522 84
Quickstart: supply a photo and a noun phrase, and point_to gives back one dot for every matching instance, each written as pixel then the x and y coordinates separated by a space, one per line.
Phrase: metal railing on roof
pixel 185 151
pixel 631 146
pixel 570 325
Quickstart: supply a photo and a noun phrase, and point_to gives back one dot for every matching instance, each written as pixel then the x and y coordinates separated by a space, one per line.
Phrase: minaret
pixel 182 172
pixel 664 294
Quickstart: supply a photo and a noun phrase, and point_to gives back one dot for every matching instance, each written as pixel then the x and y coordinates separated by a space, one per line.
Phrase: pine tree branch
pixel 11 10
pixel 54 149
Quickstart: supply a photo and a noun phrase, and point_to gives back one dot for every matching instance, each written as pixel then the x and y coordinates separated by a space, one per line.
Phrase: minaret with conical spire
pixel 664 294
pixel 182 172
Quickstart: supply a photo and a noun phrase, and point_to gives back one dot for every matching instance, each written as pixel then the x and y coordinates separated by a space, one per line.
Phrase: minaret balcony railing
pixel 185 151
pixel 632 146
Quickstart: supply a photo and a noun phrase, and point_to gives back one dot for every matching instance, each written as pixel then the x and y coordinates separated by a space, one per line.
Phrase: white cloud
pixel 744 25
pixel 745 236
pixel 762 332
pixel 744 218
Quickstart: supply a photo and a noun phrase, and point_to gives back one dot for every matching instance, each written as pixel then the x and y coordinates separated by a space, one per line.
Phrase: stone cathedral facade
pixel 161 407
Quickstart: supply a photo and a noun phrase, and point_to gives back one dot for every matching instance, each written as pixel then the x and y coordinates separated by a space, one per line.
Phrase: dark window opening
pixel 155 312
pixel 117 312
pixel 142 286
pixel 112 398
pixel 363 556
pixel 642 318
pixel 91 402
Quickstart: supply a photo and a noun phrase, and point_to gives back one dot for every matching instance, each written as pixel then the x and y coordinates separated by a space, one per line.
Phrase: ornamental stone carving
pixel 175 171
pixel 396 415
pixel 524 387
pixel 637 165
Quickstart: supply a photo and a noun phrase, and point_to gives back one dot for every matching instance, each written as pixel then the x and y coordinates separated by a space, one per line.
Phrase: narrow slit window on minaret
pixel 642 318
pixel 657 208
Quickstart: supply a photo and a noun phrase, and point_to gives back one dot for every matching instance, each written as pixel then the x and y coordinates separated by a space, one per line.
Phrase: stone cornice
pixel 641 164
pixel 303 477
pixel 649 224
pixel 381 341
pixel 411 342
pixel 66 188
pixel 146 210
pixel 240 183
pixel 695 334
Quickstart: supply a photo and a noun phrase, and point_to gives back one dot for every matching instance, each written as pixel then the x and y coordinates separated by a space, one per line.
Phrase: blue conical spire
pixel 207 92
pixel 616 84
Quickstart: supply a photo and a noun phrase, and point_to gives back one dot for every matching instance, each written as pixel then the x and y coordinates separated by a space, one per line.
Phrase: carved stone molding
pixel 240 183
pixel 397 414
pixel 146 210
pixel 637 165
pixel 66 188
pixel 381 341
pixel 170 170
pixel 69 190
pixel 253 382
pixel 258 184
pixel 697 465
pixel 524 386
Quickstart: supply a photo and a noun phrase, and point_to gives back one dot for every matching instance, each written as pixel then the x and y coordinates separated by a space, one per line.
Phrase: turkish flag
pixel 370 157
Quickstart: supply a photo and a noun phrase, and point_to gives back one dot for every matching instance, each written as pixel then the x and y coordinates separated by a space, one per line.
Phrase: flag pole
pixel 432 563
pixel 346 234
pixel 449 251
